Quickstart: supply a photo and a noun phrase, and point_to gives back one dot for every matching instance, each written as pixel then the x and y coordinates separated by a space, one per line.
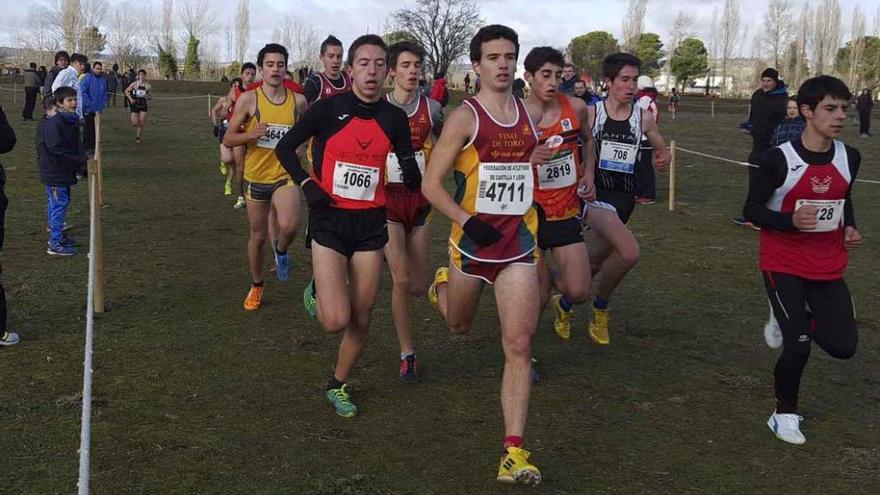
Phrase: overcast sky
pixel 539 22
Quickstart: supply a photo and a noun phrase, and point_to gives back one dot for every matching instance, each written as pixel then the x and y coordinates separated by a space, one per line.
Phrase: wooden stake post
pixel 672 175
pixel 95 174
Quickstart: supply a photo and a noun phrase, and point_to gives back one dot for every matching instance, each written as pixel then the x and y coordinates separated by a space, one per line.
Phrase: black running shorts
pixel 625 203
pixel 348 231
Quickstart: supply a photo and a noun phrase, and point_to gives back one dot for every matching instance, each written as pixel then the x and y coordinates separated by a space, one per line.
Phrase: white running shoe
pixel 772 332
pixel 787 428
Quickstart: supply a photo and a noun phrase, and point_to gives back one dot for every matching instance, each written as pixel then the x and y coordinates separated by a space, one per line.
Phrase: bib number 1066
pixel 357 179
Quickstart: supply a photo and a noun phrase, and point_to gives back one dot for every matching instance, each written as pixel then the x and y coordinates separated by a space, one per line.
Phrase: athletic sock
pixel 404 355
pixel 512 441
pixel 564 304
pixel 279 253
pixel 258 284
pixel 600 303
pixel 333 383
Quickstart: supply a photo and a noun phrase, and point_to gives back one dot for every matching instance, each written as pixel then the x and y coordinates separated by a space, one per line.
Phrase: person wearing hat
pixel 645 185
pixel 766 111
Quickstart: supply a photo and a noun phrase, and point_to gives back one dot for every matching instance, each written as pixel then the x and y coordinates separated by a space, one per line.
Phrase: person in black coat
pixel 864 104
pixel 7 142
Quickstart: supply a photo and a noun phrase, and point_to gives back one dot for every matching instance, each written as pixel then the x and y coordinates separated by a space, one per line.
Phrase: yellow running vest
pixel 260 163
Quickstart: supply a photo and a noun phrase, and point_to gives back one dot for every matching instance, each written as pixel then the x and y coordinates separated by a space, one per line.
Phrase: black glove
pixel 481 232
pixel 315 196
pixel 217 130
pixel 412 176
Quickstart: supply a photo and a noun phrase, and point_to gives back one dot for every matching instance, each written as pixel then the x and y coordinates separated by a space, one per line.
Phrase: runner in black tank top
pixel 137 93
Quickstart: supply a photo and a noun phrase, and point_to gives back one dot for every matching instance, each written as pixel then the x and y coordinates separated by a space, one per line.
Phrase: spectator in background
pixel 864 104
pixel 568 79
pixel 582 91
pixel 467 83
pixel 645 182
pixel 111 80
pixel 62 60
pixel 673 102
pixel 766 110
pixel 439 92
pixel 31 90
pixel 791 127
pixel 7 142
pixel 124 81
pixel 93 91
pixel 69 77
pixel 42 72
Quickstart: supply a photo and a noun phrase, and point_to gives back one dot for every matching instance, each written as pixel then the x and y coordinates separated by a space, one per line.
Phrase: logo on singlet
pixel 363 145
pixel 821 186
pixel 566 124
pixel 796 168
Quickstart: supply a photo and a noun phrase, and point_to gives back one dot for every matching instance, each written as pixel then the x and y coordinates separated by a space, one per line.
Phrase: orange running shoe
pixel 254 298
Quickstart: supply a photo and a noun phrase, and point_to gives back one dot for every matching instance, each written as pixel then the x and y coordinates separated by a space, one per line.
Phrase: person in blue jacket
pixel 94 94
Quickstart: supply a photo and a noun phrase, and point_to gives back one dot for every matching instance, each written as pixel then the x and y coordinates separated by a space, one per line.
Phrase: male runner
pixel 352 134
pixel 137 93
pixel 801 197
pixel 617 127
pixel 227 160
pixel 248 74
pixel 490 143
pixel 556 194
pixel 408 211
pixel 332 80
pixel 267 114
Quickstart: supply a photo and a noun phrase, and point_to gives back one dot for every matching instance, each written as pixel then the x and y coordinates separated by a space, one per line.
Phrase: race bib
pixel 830 213
pixel 140 93
pixel 505 188
pixel 357 182
pixel 558 173
pixel 274 133
pixel 393 171
pixel 618 157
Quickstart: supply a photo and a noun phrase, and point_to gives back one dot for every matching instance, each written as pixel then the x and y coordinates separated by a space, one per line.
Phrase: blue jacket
pixel 94 93
pixel 60 154
pixel 788 130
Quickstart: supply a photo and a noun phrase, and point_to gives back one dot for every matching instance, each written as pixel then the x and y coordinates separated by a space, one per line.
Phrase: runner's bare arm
pixel 244 110
pixel 456 133
pixel 589 149
pixel 587 186
pixel 305 128
pixel 541 154
pixel 216 110
pixel 652 131
pixel 128 92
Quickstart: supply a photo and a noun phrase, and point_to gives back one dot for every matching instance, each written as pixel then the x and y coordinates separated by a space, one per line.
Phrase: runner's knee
pixel 518 346
pixel 629 255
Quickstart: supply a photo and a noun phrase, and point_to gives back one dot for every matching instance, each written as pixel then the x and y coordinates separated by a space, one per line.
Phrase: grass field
pixel 193 395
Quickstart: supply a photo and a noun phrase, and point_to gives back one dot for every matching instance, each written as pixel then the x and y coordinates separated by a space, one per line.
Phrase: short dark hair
pixel 48 102
pixel 61 54
pixel 396 49
pixel 567 65
pixel 79 57
pixel 580 81
pixel 330 41
pixel 238 83
pixel 250 65
pixel 491 33
pixel 815 89
pixel 95 64
pixel 541 55
pixel 33 65
pixel 115 67
pixel 142 71
pixel 614 63
pixel 367 39
pixel 270 48
pixel 63 92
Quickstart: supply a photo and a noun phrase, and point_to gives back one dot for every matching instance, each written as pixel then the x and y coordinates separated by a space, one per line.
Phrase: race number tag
pixel 505 188
pixel 558 173
pixel 830 214
pixel 140 93
pixel 274 133
pixel 618 157
pixel 394 172
pixel 357 182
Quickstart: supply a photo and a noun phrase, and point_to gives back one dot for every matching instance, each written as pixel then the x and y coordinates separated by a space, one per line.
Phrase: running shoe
pixel 561 324
pixel 227 188
pixel 599 327
pixel 137 140
pixel 310 301
pixel 223 169
pixel 9 338
pixel 254 298
pixel 409 373
pixel 772 332
pixel 516 469
pixel 441 276
pixel 341 401
pixel 60 250
pixel 745 223
pixel 282 263
pixel 239 204
pixel 644 201
pixel 787 427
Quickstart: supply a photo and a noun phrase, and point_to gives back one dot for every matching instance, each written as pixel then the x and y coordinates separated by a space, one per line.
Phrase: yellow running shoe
pixel 561 324
pixel 441 276
pixel 227 188
pixel 599 327
pixel 254 299
pixel 223 169
pixel 515 468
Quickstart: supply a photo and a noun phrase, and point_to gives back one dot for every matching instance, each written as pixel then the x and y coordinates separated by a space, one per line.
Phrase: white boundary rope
pixel 744 164
pixel 85 436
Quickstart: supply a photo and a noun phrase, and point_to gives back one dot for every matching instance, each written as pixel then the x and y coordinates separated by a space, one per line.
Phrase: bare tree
pixel 122 34
pixel 858 46
pixel 729 25
pixel 195 17
pixel 34 37
pixel 779 28
pixel 634 24
pixel 682 28
pixel 796 55
pixel 443 27
pixel 826 36
pixel 242 29
pixel 300 38
pixel 167 40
